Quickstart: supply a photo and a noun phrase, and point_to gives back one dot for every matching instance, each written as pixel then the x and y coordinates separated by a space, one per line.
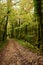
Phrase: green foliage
pixel 21 23
pixel 29 34
pixel 28 45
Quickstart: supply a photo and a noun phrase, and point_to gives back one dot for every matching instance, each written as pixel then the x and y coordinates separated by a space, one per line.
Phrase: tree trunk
pixel 5 29
pixel 38 13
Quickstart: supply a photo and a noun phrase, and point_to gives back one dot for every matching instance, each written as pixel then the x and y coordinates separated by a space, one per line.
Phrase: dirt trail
pixel 15 54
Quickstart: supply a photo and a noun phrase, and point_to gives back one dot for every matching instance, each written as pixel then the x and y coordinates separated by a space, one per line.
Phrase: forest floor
pixel 16 54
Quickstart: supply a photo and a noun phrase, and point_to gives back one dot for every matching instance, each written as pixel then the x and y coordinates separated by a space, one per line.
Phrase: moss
pixel 28 45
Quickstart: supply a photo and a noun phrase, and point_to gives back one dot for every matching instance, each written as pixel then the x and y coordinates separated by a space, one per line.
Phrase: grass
pixel 28 45
pixel 2 45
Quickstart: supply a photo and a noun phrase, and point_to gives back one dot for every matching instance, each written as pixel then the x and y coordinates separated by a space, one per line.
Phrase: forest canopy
pixel 18 20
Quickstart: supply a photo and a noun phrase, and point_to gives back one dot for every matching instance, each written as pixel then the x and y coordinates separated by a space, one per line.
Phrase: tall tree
pixel 8 12
pixel 38 12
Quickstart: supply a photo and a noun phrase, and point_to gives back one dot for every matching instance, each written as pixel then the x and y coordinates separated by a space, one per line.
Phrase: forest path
pixel 15 54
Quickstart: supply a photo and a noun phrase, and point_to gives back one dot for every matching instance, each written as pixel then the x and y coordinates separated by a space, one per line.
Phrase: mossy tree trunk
pixel 39 15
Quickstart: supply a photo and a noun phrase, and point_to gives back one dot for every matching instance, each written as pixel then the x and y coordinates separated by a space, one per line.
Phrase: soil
pixel 15 54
